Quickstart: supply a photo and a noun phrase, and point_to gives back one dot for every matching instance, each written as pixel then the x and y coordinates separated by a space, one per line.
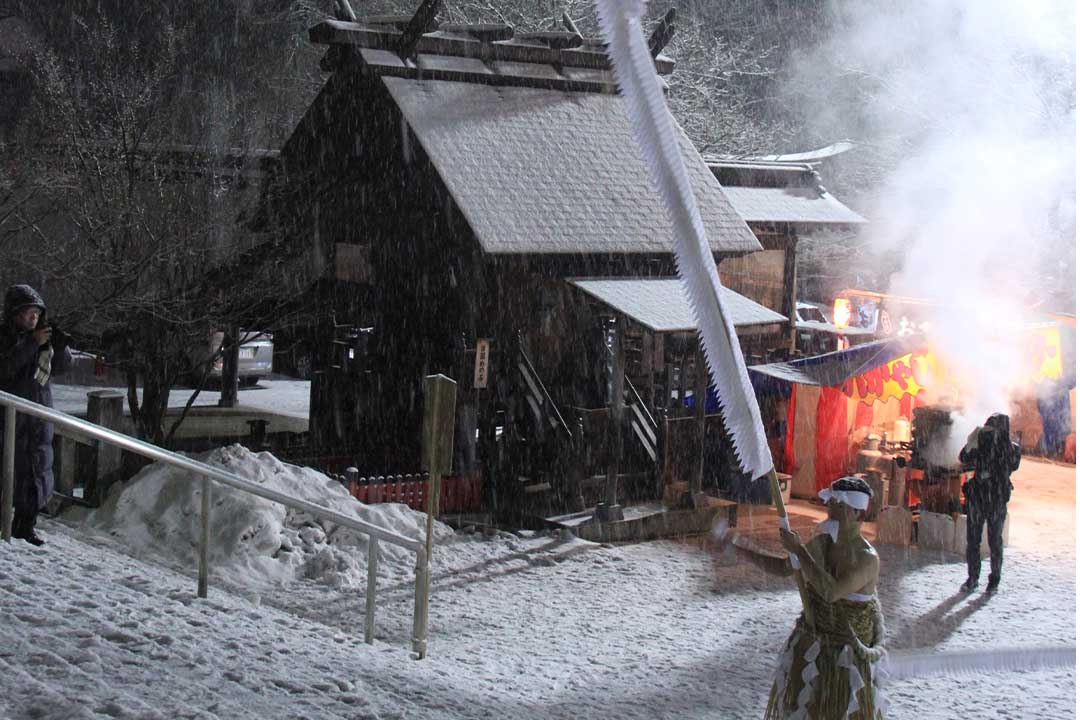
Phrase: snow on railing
pixel 13 404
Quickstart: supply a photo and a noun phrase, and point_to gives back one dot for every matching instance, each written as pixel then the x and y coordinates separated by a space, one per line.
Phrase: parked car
pixel 256 357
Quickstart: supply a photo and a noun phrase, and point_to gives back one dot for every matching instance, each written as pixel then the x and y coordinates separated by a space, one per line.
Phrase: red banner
pixel 907 375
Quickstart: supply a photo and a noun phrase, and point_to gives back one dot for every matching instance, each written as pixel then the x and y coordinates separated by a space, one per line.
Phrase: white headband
pixel 852 498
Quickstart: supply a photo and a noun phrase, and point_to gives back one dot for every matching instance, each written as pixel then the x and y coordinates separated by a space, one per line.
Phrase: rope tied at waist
pixel 835 623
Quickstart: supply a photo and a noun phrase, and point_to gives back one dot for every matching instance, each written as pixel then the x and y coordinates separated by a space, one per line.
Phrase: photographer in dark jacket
pixel 31 350
pixel 995 456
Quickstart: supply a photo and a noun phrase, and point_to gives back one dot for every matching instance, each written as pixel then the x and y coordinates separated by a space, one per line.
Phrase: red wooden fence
pixel 457 494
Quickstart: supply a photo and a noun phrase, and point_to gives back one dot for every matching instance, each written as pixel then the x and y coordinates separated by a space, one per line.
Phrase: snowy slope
pixel 531 627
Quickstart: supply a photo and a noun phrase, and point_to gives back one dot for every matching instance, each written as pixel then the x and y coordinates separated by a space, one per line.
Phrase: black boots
pixel 22 527
pixel 971 584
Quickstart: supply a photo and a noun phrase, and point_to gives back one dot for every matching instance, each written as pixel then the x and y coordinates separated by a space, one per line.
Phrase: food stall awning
pixel 832 369
pixel 660 304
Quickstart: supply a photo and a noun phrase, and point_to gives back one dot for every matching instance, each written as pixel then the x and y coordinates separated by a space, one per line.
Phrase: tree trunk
pixel 155 402
pixel 230 367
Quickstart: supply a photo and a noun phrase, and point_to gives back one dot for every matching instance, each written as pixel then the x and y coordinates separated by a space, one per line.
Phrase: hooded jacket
pixel 995 456
pixel 33 437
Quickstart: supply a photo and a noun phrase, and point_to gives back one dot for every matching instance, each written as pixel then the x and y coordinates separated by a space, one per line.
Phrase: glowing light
pixel 841 313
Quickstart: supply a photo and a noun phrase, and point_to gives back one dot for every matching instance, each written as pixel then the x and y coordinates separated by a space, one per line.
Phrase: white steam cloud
pixel 975 101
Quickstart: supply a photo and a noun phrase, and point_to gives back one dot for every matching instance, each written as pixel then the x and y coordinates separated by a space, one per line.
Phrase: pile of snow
pixel 257 542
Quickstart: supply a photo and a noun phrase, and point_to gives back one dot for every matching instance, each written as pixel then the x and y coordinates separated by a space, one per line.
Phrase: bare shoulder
pixel 867 556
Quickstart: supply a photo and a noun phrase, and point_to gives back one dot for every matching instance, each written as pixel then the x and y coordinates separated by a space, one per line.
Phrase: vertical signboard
pixel 480 371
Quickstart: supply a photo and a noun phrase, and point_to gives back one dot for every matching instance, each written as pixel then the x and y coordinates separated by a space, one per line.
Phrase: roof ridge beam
pixel 590 54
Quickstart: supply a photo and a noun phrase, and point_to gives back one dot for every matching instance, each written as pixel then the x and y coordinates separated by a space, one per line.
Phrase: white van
pixel 256 357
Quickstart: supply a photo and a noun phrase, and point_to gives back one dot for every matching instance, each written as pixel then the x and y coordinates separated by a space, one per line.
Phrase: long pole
pixel 781 510
pixel 204 539
pixel 8 512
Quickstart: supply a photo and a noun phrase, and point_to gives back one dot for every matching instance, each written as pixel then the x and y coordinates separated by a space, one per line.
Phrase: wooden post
pixel 369 599
pixel 64 464
pixel 440 399
pixel 615 419
pixel 577 472
pixel 104 408
pixel 790 294
pixel 204 539
pixel 661 449
pixel 680 406
pixel 701 390
pixel 669 385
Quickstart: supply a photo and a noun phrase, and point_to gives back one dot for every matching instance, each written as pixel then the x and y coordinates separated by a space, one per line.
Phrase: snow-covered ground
pixel 103 621
pixel 277 393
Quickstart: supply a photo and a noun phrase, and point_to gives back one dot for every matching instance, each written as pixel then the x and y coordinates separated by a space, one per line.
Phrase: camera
pixel 60 339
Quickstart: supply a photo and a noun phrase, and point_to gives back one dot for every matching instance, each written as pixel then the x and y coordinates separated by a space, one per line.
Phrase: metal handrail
pixel 13 404
pixel 543 388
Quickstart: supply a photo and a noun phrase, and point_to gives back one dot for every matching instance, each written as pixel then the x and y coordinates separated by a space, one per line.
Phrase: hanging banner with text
pixel 480 370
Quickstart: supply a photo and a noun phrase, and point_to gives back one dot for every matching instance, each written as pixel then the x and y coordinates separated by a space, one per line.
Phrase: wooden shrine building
pixel 464 187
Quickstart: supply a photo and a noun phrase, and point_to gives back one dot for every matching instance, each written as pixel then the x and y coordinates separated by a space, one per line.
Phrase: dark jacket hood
pixel 18 297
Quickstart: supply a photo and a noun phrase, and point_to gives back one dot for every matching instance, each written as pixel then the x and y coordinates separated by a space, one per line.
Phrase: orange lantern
pixel 841 313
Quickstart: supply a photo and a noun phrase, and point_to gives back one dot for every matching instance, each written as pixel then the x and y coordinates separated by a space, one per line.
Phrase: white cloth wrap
pixel 851 498
pixel 783 668
pixel 810 674
pixel 879 676
pixel 792 558
pixel 855 679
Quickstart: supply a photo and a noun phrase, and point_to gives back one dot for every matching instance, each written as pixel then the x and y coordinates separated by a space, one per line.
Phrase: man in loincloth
pixel 829 669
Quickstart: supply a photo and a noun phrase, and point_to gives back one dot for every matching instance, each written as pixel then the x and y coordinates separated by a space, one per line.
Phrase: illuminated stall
pixel 860 409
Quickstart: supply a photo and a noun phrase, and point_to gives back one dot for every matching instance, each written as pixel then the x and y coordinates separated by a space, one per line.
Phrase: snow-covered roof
pixel 660 304
pixel 547 171
pixel 801 205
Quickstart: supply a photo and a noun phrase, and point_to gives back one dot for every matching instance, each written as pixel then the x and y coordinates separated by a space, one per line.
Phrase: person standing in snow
pixel 829 669
pixel 30 352
pixel 995 456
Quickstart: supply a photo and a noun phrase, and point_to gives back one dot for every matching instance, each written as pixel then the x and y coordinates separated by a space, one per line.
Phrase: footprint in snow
pixel 114 709
pixel 121 638
pixel 292 687
pixel 234 675
pixel 37 620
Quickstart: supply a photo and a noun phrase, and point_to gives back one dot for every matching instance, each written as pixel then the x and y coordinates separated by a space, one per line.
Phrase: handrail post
pixel 369 601
pixel 420 606
pixel 204 539
pixel 8 512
